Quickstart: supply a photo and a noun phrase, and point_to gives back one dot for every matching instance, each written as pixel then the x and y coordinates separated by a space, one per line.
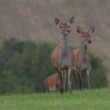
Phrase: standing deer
pixel 62 56
pixel 82 59
pixel 52 83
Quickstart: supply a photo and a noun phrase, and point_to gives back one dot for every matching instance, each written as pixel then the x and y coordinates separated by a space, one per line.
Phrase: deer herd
pixel 68 62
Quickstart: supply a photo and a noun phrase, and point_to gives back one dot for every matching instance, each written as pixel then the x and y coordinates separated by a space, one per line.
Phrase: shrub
pixel 24 65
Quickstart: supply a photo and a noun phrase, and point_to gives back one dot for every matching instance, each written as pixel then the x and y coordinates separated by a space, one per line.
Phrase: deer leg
pixel 66 75
pixel 74 78
pixel 61 80
pixel 89 79
pixel 58 86
pixel 65 80
pixel 74 81
pixel 69 80
pixel 63 75
pixel 80 81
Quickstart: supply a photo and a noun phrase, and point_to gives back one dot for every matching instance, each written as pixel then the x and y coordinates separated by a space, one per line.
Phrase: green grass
pixel 79 100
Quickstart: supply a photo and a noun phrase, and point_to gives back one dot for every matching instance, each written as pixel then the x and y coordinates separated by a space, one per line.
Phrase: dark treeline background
pixel 24 65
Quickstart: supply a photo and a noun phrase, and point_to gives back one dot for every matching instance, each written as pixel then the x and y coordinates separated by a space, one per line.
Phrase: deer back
pixel 52 81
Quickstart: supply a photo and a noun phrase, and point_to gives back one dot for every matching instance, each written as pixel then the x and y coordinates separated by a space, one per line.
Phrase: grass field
pixel 79 100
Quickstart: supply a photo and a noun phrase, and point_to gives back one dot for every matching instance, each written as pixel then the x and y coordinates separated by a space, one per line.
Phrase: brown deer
pixel 82 59
pixel 52 83
pixel 62 56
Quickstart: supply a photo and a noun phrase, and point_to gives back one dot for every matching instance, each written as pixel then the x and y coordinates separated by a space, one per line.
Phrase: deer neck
pixel 64 46
pixel 83 52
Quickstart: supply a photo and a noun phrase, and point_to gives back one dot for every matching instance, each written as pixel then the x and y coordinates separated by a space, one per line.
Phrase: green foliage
pixel 99 77
pixel 24 65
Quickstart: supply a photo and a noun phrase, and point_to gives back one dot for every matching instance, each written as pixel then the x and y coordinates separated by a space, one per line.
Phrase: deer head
pixel 86 36
pixel 65 27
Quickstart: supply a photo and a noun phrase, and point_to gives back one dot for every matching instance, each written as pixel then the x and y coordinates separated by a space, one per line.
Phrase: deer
pixel 82 58
pixel 52 83
pixel 62 56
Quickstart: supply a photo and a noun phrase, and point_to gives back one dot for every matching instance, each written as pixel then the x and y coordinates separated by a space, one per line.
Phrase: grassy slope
pixel 84 100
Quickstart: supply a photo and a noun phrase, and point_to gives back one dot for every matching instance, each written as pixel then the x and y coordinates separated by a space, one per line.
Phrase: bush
pixel 24 65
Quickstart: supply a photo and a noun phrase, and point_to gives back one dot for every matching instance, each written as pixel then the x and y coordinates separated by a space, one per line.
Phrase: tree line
pixel 24 65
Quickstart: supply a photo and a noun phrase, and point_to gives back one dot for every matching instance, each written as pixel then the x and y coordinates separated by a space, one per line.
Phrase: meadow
pixel 98 99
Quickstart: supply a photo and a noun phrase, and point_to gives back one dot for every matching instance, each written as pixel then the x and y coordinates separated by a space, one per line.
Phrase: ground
pixel 79 100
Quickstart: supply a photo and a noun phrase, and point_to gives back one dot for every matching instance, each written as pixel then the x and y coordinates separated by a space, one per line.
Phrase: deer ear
pixel 79 30
pixel 70 21
pixel 57 21
pixel 91 31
